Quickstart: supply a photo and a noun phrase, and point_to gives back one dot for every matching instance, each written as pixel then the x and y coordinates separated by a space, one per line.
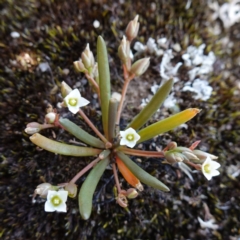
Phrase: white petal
pixel 131 144
pixel 63 195
pixel 215 165
pixel 74 94
pixel 123 141
pixel 48 207
pixel 83 102
pixel 123 134
pixel 136 137
pixel 73 109
pixel 62 207
pixel 215 173
pixel 207 175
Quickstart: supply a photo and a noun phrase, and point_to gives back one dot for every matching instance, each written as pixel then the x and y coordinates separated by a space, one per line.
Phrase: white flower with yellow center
pixel 209 168
pixel 56 201
pixel 129 137
pixel 74 101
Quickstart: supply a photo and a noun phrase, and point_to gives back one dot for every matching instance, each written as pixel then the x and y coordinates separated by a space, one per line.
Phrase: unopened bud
pixel 72 189
pixel 87 58
pixel 171 145
pixel 50 117
pixel 122 200
pixel 65 89
pixel 42 189
pixel 124 50
pixel 140 66
pixel 203 155
pixel 132 29
pixel 79 66
pixel 33 127
pixel 132 193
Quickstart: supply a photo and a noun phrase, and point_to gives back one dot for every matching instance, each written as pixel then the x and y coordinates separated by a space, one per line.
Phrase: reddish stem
pixel 89 166
pixel 142 153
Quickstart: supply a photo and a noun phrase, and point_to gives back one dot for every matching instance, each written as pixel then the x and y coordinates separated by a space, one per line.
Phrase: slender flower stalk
pixel 87 168
pixel 141 153
pixel 94 83
pixel 124 91
pixel 116 177
pixel 90 124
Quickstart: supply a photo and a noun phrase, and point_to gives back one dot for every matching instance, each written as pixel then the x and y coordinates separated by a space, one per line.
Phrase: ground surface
pixel 56 32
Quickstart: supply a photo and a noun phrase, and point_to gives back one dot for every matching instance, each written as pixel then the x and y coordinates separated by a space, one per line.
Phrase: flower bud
pixel 132 193
pixel 50 117
pixel 87 58
pixel 65 89
pixel 171 145
pixel 140 66
pixel 180 154
pixel 72 189
pixel 124 50
pixel 79 66
pixel 122 200
pixel 42 189
pixel 203 155
pixel 132 29
pixel 33 127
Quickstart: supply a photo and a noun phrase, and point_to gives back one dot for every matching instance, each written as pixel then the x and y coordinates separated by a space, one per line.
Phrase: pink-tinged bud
pixel 171 145
pixel 42 189
pixel 132 193
pixel 65 89
pixel 124 50
pixel 33 127
pixel 72 189
pixel 50 117
pixel 140 66
pixel 132 29
pixel 87 58
pixel 79 66
pixel 122 200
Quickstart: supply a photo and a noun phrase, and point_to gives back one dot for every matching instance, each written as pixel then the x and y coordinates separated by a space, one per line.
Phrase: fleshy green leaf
pixel 167 124
pixel 80 134
pixel 104 81
pixel 113 106
pixel 141 174
pixel 154 104
pixel 62 148
pixel 87 190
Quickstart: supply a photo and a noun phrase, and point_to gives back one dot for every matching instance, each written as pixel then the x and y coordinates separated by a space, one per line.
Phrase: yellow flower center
pixel 207 168
pixel 72 102
pixel 56 201
pixel 130 137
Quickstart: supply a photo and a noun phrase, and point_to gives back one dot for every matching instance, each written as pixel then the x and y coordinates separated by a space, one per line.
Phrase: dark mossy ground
pixel 56 32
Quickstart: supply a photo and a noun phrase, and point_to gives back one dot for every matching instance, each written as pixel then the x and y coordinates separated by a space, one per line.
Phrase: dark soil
pixel 56 32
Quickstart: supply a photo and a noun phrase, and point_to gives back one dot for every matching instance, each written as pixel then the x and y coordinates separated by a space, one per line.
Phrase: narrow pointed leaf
pixel 167 124
pixel 62 148
pixel 142 175
pixel 154 104
pixel 80 134
pixel 87 190
pixel 104 81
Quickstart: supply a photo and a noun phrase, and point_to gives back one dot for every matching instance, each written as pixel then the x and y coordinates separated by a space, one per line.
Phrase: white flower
pixel 74 101
pixel 56 201
pixel 129 137
pixel 209 168
pixel 208 224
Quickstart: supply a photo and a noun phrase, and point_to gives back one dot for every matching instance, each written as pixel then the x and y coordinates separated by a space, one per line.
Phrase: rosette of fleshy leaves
pixel 112 145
